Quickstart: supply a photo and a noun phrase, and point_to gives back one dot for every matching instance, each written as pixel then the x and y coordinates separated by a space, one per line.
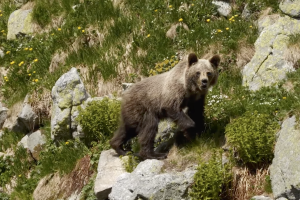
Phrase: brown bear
pixel 162 96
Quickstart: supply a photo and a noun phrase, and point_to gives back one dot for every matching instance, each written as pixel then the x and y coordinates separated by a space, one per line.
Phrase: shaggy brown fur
pixel 165 96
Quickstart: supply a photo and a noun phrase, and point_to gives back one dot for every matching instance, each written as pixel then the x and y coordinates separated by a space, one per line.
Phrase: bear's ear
pixel 192 59
pixel 215 60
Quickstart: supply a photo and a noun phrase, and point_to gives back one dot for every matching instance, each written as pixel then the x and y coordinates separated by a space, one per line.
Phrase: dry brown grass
pixel 245 54
pixel 292 55
pixel 54 186
pixel 180 159
pixel 247 184
pixel 41 103
pixel 78 178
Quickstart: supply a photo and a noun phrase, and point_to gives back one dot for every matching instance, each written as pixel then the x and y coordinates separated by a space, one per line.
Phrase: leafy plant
pixel 87 192
pixel 5 170
pixel 210 179
pixel 99 119
pixel 253 137
pixel 130 162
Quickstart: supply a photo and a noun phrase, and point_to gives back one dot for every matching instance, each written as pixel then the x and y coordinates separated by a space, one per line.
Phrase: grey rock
pixel 68 94
pixel 224 8
pixel 35 142
pixel 266 21
pixel 261 197
pixel 110 167
pixel 28 117
pixel 3 115
pixel 24 142
pixel 269 65
pixel 147 182
pixel 20 21
pixel 290 7
pixel 285 168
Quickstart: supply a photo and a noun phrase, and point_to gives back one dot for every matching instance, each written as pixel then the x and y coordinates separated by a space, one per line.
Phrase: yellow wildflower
pixel 52 34
pixel 21 63
pixel 20 175
pixel 13 62
pixel 233 20
pixel 26 49
pixel 35 60
pixel 82 31
pixel 148 35
pixel 208 20
pixel 155 10
pixel 235 15
pixel 170 6
pixel 30 49
pixel 2 31
pixel 67 143
pixel 219 30
pixel 8 52
pixel 283 97
pixel 193 4
pixel 36 80
pixel 59 29
pixel 29 74
pixel 79 27
pixel 227 28
pixel 180 20
pixel 250 26
pixel 0 15
pixel 34 72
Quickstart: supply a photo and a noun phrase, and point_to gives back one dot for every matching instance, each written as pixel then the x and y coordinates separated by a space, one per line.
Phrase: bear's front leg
pixel 183 121
pixel 146 136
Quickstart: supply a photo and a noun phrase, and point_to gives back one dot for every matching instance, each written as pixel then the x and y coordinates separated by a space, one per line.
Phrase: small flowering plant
pixel 164 66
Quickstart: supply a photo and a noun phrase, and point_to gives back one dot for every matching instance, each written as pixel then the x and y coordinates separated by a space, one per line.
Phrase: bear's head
pixel 202 73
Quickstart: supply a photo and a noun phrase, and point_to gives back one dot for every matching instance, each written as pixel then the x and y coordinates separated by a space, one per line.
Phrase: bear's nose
pixel 204 80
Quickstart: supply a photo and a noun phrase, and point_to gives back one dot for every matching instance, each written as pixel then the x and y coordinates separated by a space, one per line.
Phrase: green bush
pixel 253 137
pixel 210 179
pixel 99 119
pixel 5 170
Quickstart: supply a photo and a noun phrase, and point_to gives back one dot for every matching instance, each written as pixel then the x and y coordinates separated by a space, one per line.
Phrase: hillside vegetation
pixel 111 42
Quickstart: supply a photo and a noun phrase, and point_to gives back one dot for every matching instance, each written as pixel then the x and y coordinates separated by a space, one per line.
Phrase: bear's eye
pixel 209 74
pixel 198 73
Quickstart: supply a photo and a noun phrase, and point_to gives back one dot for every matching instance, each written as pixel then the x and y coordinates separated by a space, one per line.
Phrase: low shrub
pixel 253 137
pixel 210 179
pixel 99 119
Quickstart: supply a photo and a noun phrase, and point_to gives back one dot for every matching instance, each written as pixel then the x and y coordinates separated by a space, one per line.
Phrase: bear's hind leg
pixel 122 135
pixel 147 133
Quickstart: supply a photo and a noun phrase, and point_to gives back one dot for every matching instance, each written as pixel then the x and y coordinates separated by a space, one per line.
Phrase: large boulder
pixel 110 167
pixel 285 168
pixel 147 182
pixel 20 21
pixel 269 65
pixel 68 94
pixel 290 7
